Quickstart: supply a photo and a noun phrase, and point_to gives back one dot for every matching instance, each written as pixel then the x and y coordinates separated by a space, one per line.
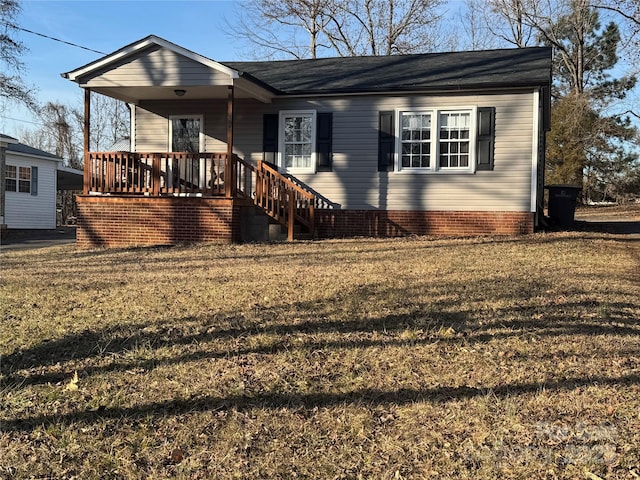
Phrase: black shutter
pixel 270 138
pixel 386 142
pixel 34 181
pixel 324 134
pixel 485 139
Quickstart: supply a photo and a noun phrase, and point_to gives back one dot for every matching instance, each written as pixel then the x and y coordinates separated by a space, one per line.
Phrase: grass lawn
pixel 374 359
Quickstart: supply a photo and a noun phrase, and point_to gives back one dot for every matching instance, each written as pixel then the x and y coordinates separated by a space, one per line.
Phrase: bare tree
pixel 626 9
pixel 383 27
pixel 275 26
pixel 12 86
pixel 508 21
pixel 109 122
pixel 473 20
pixel 61 133
pixel 343 27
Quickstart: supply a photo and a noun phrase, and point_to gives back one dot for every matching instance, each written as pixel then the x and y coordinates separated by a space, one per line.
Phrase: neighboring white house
pixel 30 184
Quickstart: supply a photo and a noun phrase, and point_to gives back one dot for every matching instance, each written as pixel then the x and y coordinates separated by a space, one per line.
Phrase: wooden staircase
pixel 277 196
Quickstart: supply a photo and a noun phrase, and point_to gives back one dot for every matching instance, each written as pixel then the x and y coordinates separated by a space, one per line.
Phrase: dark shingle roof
pixel 27 150
pixel 436 71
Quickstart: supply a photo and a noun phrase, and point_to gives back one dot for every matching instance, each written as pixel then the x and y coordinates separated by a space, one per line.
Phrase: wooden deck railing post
pixel 155 174
pixel 291 220
pixel 258 198
pixel 312 219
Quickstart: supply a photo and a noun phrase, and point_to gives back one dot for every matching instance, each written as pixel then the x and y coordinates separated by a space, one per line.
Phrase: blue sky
pixel 106 26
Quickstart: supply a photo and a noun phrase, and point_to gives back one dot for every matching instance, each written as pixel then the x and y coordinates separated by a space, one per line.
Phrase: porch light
pixel 179 92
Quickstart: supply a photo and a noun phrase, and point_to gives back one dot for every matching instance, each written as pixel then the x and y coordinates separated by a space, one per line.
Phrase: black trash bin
pixel 562 204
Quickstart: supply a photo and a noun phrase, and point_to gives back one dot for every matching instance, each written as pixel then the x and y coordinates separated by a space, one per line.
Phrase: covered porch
pixel 179 151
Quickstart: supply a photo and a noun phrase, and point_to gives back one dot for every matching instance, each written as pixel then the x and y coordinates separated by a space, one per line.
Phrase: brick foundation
pixel 111 221
pixel 397 223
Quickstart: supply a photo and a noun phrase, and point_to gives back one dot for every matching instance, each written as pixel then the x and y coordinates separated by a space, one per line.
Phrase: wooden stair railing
pixel 277 196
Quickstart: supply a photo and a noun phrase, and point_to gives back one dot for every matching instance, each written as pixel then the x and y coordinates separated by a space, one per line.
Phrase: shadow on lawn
pixel 342 321
pixel 613 227
pixel 277 401
pixel 306 326
pixel 338 248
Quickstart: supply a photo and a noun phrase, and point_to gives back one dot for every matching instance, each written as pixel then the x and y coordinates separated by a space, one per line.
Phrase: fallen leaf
pixel 592 476
pixel 73 383
pixel 177 455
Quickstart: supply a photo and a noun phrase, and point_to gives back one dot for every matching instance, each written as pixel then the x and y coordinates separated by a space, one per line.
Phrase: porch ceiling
pixel 136 94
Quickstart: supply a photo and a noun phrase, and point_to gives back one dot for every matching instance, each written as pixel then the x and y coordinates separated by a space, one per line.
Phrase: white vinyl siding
pixel 24 210
pixel 158 67
pixel 152 123
pixel 354 181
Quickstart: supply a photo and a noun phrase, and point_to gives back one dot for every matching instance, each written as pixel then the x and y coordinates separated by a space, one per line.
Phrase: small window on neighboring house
pixel 17 179
pixel 186 134
pixel 298 141
pixel 24 179
pixel 10 178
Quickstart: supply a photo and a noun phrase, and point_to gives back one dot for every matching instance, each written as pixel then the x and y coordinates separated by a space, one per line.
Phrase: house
pixel 444 143
pixel 29 186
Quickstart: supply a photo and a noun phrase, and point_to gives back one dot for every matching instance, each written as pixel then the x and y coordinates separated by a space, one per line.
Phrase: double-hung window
pixel 438 140
pixel 297 141
pixel 415 138
pixel 17 179
pixel 454 129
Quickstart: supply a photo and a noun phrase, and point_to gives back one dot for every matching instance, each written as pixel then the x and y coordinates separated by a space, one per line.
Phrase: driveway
pixel 622 220
pixel 29 239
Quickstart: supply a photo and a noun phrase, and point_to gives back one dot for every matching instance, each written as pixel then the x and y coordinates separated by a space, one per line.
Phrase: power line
pixel 53 38
pixel 20 120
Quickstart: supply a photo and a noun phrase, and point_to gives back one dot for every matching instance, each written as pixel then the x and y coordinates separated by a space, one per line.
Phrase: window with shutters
pixel 436 140
pixel 297 141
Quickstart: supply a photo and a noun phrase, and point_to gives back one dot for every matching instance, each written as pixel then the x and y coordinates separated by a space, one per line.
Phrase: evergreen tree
pixel 584 137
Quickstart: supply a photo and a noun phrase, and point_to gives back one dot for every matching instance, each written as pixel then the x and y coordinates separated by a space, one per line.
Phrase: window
pixel 185 134
pixel 416 140
pixel 10 178
pixel 17 179
pixel 454 139
pixel 297 141
pixel 436 141
pixel 24 179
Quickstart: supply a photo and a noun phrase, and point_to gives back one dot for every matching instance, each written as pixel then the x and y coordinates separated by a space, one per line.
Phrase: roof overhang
pixel 70 178
pixel 6 140
pixel 33 153
pixel 77 74
pixel 133 91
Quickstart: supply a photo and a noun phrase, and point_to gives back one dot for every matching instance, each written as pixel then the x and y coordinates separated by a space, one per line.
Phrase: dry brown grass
pixel 415 358
pixel 627 212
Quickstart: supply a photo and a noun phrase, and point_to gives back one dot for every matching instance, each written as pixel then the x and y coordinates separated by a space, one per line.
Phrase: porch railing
pixel 171 173
pixel 201 174
pixel 283 200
